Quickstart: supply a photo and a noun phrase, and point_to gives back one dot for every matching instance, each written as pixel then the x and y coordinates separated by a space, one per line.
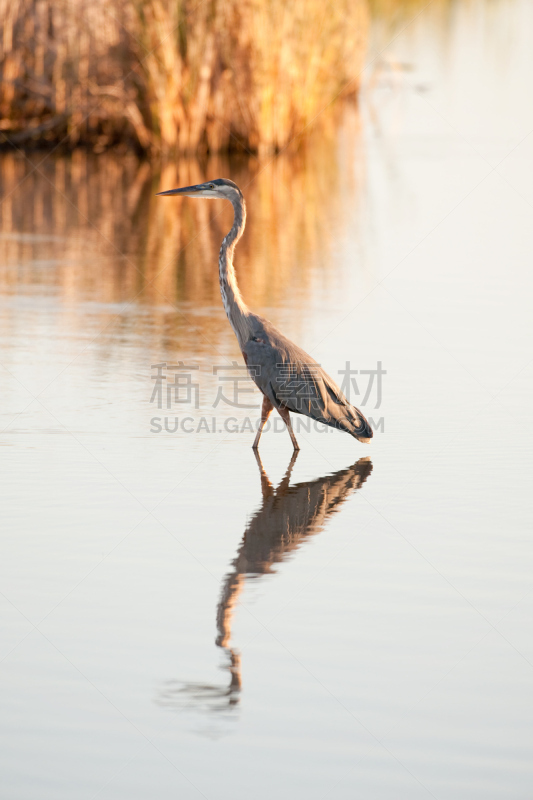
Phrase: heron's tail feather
pixel 344 416
pixel 358 425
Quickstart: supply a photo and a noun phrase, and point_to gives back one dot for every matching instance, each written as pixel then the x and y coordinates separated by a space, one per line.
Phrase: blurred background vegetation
pixel 102 85
pixel 169 76
pixel 90 226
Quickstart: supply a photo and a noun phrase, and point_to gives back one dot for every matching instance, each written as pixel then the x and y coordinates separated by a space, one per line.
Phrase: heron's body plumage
pixel 292 379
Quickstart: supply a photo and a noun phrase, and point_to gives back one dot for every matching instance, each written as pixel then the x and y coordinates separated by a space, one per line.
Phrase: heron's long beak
pixel 186 191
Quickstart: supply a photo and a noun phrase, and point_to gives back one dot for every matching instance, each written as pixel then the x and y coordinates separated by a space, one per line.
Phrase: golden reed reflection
pixel 89 228
pixel 287 517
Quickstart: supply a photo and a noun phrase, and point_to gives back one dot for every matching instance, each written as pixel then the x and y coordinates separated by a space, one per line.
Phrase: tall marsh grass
pixel 175 75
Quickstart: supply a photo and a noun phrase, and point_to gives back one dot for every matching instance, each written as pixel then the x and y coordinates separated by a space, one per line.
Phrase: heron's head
pixel 219 189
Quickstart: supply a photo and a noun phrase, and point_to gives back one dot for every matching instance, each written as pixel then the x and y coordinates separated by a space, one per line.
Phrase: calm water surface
pixel 181 620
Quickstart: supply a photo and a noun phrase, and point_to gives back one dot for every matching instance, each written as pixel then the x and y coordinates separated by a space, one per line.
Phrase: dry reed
pixel 175 75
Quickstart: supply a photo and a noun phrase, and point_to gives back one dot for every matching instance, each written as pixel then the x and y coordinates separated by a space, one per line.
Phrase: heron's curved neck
pixel 235 307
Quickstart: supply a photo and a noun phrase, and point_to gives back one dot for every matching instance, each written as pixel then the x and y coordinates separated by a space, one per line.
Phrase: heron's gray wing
pixel 291 379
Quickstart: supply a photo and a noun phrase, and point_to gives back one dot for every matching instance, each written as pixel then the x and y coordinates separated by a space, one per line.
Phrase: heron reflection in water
pixel 287 516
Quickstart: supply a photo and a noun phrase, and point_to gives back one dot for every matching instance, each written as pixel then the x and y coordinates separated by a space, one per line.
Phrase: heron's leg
pixel 265 413
pixel 285 416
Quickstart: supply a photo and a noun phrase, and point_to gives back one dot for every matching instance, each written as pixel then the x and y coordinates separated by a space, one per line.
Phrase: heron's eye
pixel 211 185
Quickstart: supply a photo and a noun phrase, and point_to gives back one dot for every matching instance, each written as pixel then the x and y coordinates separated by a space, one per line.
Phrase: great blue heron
pixel 289 379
